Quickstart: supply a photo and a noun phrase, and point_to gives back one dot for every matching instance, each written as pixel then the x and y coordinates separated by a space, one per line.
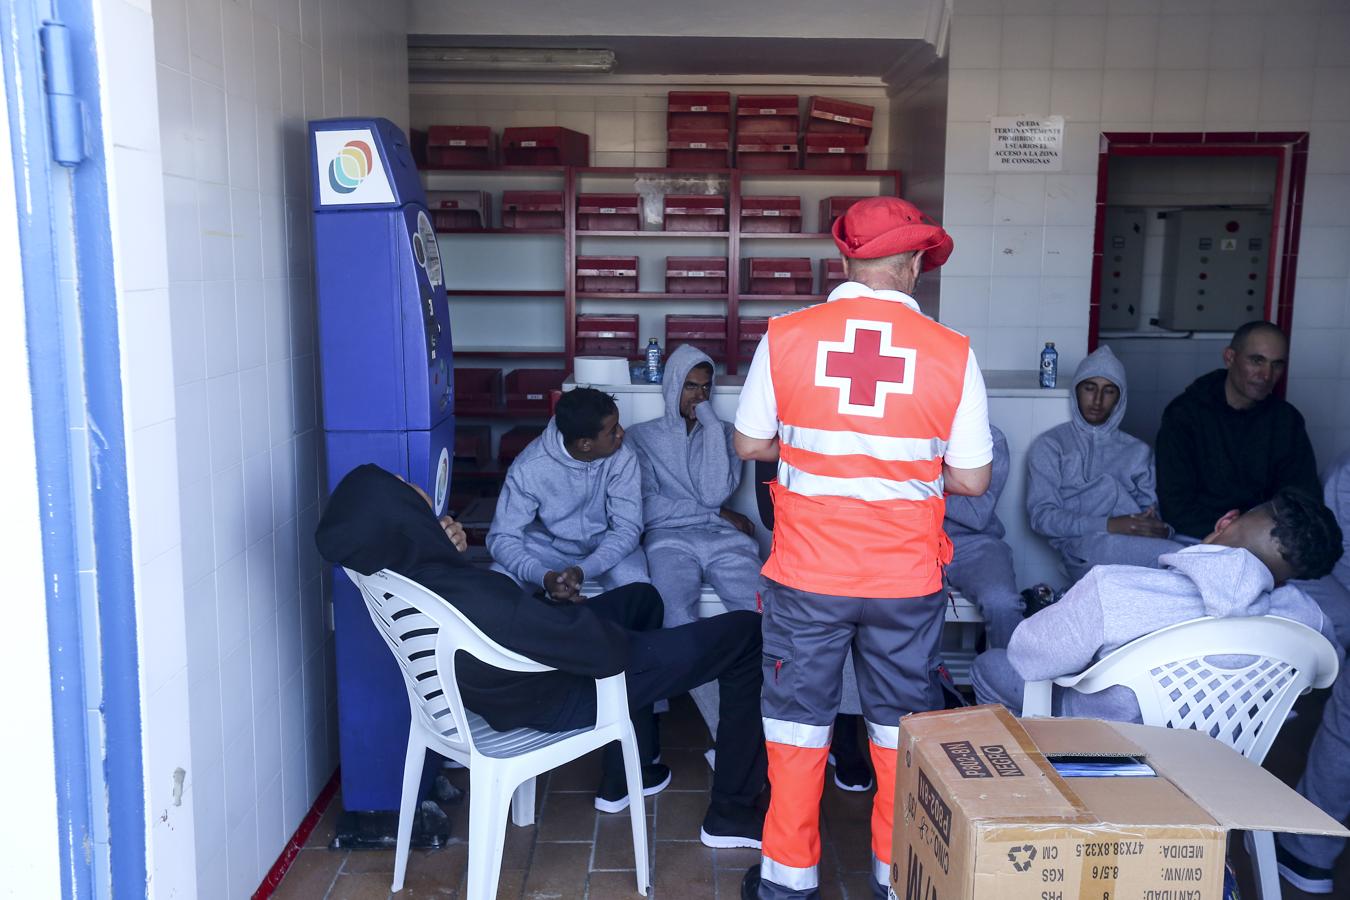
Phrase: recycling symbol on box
pixel 1022 857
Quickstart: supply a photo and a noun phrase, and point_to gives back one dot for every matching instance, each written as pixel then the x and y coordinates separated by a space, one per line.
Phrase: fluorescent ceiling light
pixel 523 59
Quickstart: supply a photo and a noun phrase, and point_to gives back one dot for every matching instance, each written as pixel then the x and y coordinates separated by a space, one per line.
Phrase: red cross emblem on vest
pixel 865 367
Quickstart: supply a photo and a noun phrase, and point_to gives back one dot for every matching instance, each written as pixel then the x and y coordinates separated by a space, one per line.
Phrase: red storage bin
pixel 767 151
pixel 473 443
pixel 514 442
pixel 608 212
pixel 607 273
pixel 545 146
pixel 527 390
pixel 696 274
pixel 695 110
pixel 532 209
pixel 698 149
pixel 607 335
pixel 830 115
pixel 477 390
pixel 461 147
pixel 767 114
pixel 832 208
pixel 831 274
pixel 748 335
pixel 831 152
pixel 707 333
pixel 695 212
pixel 778 275
pixel 460 210
pixel 771 215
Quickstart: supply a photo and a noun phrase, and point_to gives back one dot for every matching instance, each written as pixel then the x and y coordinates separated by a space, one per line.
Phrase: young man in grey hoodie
pixel 982 562
pixel 1233 572
pixel 1309 861
pixel 689 470
pixel 1090 486
pixel 571 507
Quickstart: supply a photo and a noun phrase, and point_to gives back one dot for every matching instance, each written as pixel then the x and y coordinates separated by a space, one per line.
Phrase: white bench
pixel 960 633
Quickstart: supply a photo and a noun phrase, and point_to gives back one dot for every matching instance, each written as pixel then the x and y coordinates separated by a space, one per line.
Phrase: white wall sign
pixel 1018 144
pixel 350 170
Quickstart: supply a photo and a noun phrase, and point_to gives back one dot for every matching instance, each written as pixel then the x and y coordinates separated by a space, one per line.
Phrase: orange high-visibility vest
pixel 867 390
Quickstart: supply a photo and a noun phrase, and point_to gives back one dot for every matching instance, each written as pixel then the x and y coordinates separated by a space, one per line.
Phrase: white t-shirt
pixel 970 445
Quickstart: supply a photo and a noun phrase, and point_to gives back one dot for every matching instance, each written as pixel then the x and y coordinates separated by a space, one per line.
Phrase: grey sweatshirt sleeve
pixel 516 508
pixel 1048 516
pixel 975 513
pixel 651 485
pixel 1061 639
pixel 623 505
pixel 1144 484
pixel 718 476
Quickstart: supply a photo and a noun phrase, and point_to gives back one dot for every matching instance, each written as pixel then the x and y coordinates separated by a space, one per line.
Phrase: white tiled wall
pixel 918 121
pixel 236 83
pixel 1140 65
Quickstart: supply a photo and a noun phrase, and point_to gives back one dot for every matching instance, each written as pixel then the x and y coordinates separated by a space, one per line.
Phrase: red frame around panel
pixel 1290 148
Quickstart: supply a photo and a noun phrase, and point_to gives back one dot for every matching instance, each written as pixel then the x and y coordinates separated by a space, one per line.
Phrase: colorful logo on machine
pixel 350 167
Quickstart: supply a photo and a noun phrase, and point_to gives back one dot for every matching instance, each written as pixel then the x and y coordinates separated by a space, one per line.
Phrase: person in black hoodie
pixel 1227 442
pixel 374 520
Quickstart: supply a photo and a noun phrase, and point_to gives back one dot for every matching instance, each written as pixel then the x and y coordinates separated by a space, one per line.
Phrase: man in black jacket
pixel 1227 442
pixel 374 520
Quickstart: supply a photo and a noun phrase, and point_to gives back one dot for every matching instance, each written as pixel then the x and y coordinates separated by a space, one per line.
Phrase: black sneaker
pixel 1307 878
pixel 750 883
pixel 851 774
pixel 739 826
pixel 614 798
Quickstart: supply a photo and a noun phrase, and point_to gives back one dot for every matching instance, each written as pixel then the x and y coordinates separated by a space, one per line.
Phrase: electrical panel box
pixel 1122 269
pixel 1215 267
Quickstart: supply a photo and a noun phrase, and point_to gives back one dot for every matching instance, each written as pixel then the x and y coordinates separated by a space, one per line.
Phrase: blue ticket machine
pixel 385 357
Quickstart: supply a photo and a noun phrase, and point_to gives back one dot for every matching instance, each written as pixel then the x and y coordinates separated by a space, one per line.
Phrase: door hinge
pixel 64 108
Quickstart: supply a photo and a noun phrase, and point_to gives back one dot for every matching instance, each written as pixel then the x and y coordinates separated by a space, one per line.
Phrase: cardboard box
pixel 980 811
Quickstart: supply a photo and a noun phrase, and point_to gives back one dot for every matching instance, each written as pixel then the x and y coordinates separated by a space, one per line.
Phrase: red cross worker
pixel 873 412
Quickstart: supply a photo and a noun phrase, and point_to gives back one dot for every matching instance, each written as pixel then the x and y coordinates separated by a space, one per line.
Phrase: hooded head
pixel 375 520
pixel 687 381
pixel 1098 400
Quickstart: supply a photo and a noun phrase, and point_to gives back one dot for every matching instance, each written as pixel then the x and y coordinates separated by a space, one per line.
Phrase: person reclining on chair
pixel 1231 573
pixel 571 507
pixel 374 520
pixel 689 470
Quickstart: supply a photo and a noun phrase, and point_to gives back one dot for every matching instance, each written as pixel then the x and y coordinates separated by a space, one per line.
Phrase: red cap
pixel 885 226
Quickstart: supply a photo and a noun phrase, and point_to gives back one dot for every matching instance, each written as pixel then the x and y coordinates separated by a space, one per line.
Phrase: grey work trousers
pixel 806 639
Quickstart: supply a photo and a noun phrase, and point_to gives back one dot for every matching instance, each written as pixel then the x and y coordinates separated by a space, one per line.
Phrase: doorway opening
pixel 1196 233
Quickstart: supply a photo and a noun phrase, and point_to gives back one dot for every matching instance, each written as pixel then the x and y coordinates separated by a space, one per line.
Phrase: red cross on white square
pixel 865 367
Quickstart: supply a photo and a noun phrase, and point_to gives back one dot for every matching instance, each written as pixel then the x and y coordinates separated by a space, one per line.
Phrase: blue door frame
pixel 51 82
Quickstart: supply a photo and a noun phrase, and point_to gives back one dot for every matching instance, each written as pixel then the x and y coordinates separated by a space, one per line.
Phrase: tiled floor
pixel 575 853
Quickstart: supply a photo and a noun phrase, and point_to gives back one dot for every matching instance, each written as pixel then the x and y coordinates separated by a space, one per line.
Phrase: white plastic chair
pixel 425 633
pixel 1235 679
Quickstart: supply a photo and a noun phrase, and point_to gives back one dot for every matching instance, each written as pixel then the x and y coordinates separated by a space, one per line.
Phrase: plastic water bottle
pixel 653 361
pixel 1049 365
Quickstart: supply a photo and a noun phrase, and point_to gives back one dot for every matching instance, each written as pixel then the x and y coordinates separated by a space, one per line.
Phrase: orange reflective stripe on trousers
pixel 792 826
pixel 883 805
